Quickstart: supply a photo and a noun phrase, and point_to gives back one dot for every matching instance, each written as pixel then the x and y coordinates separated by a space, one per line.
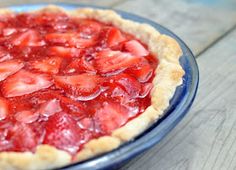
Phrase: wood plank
pixel 91 2
pixel 198 23
pixel 206 138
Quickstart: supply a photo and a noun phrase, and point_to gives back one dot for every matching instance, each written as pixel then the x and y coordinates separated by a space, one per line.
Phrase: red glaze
pixel 64 81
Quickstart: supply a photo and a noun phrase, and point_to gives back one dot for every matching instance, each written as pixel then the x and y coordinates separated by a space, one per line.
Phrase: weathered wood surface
pixel 206 138
pixel 198 23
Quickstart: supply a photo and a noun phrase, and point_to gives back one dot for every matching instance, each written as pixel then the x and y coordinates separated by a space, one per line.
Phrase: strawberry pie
pixel 76 84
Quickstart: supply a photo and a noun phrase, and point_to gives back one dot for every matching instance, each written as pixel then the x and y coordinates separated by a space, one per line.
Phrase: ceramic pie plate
pixel 179 104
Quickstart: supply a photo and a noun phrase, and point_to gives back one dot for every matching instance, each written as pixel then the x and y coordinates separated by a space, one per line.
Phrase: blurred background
pixel 206 138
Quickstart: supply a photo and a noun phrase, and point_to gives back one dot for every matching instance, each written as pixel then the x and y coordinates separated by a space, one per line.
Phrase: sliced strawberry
pixel 136 48
pixel 49 102
pixel 129 84
pixel 2 26
pixel 146 88
pixel 108 61
pixel 111 116
pixel 23 137
pixel 119 94
pixel 67 100
pixel 87 123
pixel 114 37
pixel 4 55
pixel 80 65
pixel 25 82
pixel 10 67
pixel 4 144
pixel 50 107
pixel 49 17
pixel 63 132
pixel 26 116
pixel 71 39
pixel 63 51
pixel 71 106
pixel 54 21
pixel 89 28
pixel 27 38
pixel 9 31
pixel 4 109
pixel 143 72
pixel 47 65
pixel 84 86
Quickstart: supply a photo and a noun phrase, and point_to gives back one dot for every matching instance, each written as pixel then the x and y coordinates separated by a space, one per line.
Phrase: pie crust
pixel 168 75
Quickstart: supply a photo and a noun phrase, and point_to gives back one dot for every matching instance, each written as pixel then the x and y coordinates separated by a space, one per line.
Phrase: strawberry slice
pixel 47 18
pixel 2 26
pixel 50 107
pixel 142 72
pixel 4 55
pixel 63 51
pixel 89 28
pixel 10 67
pixel 114 37
pixel 23 137
pixel 146 88
pixel 26 116
pixel 25 82
pixel 9 31
pixel 53 21
pixel 136 48
pixel 71 39
pixel 84 86
pixel 27 38
pixel 111 116
pixel 4 109
pixel 119 94
pixel 80 65
pixel 48 103
pixel 47 65
pixel 107 61
pixel 4 144
pixel 63 132
pixel 129 84
pixel 87 123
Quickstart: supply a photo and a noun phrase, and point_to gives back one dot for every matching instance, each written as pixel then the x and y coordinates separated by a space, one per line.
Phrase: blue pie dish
pixel 179 104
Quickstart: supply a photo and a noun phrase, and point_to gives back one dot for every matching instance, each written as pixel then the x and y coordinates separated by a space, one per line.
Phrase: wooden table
pixel 206 138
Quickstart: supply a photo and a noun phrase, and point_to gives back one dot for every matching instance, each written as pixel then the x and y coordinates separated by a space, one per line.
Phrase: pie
pixel 75 84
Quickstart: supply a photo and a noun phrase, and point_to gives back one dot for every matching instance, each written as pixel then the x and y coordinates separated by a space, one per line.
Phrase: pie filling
pixel 66 80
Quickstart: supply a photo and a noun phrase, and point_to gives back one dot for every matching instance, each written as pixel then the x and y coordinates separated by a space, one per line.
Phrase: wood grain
pixel 206 138
pixel 198 23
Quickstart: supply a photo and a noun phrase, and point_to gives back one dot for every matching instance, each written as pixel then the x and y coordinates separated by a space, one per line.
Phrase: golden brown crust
pixel 45 157
pixel 169 76
pixel 98 146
